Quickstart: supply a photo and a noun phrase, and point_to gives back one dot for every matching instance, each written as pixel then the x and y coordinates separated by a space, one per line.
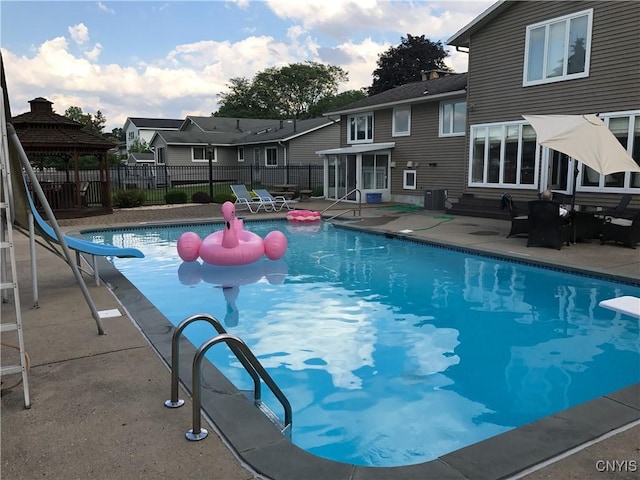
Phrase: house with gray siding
pixel 143 129
pixel 401 143
pixel 464 134
pixel 571 57
pixel 231 141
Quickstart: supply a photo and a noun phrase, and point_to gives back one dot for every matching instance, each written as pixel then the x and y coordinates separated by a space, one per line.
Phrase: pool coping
pixel 259 443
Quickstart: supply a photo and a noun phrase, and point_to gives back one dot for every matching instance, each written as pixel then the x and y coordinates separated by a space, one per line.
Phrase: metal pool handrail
pixel 242 353
pixel 344 197
pixel 175 402
pixel 235 344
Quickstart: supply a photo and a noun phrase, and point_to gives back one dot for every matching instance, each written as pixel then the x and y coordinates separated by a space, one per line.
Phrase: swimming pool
pixel 395 353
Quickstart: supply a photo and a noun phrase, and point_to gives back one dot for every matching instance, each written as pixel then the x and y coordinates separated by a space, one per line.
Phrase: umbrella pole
pixel 573 199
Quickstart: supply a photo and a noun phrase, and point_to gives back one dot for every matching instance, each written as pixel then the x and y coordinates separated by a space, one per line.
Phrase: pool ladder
pixel 248 361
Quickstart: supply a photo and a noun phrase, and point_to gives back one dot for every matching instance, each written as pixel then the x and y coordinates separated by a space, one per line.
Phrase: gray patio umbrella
pixel 585 138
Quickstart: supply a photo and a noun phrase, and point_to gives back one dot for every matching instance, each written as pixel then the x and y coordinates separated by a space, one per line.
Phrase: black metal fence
pixel 157 180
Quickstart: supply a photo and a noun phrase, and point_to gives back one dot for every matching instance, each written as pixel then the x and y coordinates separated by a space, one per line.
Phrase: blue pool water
pixel 393 352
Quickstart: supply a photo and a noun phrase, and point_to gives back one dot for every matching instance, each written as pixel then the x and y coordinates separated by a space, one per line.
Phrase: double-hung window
pixel 503 155
pixel 360 128
pixel 558 49
pixel 401 121
pixel 240 154
pixel 271 157
pixel 453 118
pixel 160 156
pixel 201 154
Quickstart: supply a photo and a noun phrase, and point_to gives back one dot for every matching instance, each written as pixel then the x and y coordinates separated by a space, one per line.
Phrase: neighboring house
pixel 465 133
pixel 549 58
pixel 402 142
pixel 142 129
pixel 140 158
pixel 229 141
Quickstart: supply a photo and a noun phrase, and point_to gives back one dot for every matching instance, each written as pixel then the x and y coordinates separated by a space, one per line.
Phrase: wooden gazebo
pixel 47 136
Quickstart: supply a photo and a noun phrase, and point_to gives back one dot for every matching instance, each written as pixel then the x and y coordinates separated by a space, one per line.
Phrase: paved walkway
pixel 97 400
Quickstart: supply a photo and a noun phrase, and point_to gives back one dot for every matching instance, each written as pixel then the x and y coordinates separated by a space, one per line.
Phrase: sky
pixel 170 59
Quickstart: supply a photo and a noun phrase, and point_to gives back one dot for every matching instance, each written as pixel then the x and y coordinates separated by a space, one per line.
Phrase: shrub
pixel 201 197
pixel 224 197
pixel 317 192
pixel 132 197
pixel 175 196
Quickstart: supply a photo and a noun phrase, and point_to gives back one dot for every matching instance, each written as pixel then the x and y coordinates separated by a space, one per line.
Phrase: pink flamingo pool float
pixel 233 245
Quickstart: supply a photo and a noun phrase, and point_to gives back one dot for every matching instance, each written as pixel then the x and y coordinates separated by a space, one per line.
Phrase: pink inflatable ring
pixel 304 216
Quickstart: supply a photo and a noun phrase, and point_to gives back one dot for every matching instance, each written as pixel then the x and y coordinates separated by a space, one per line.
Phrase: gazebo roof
pixel 43 130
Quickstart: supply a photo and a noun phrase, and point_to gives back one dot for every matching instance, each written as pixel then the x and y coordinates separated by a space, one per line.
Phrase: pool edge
pixel 266 451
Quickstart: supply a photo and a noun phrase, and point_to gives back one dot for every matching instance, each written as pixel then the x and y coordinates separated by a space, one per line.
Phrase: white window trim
pixel 394 130
pixel 601 187
pixel 441 119
pixel 240 154
pixel 546 23
pixel 504 125
pixel 405 184
pixel 160 154
pixel 266 156
pixel 206 159
pixel 362 114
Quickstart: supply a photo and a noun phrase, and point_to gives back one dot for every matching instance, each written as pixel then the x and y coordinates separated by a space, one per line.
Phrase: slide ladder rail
pixel 10 284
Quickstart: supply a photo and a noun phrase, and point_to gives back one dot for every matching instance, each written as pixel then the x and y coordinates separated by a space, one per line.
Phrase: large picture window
pixel 626 127
pixel 453 118
pixel 360 128
pixel 503 155
pixel 558 49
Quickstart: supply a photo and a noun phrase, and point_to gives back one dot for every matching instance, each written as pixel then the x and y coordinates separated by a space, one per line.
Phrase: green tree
pixel 406 62
pixel 117 134
pixel 292 91
pixel 94 123
pixel 139 145
pixel 334 102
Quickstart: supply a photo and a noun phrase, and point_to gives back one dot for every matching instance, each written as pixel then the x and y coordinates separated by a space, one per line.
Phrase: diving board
pixel 626 304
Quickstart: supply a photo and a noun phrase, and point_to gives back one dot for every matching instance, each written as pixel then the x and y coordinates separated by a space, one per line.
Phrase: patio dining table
pixel 586 223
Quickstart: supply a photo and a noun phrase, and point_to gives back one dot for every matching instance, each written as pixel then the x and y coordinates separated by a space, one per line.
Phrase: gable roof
pixel 172 137
pixel 462 37
pixel 155 123
pixel 414 92
pixel 274 131
pixel 141 157
pixel 227 124
pixel 286 130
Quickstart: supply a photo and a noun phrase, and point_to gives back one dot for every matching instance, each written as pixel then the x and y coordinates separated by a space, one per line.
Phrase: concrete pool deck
pixel 97 401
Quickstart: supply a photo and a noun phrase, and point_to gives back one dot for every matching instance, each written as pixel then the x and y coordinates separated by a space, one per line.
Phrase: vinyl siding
pixel 496 64
pixel 302 150
pixel 422 146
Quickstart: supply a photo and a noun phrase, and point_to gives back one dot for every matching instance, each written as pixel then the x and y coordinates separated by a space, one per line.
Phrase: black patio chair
pixel 618 209
pixel 519 219
pixel 623 229
pixel 546 227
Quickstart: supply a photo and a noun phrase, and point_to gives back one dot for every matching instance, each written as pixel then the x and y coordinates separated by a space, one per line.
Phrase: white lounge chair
pixel 245 200
pixel 278 202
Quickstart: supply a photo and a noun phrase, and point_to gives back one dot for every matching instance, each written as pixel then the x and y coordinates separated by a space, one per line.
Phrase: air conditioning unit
pixel 434 198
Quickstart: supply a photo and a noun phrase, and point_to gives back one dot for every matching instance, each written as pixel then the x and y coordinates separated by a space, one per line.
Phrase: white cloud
pixel 188 79
pixel 79 33
pixel 94 53
pixel 104 8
